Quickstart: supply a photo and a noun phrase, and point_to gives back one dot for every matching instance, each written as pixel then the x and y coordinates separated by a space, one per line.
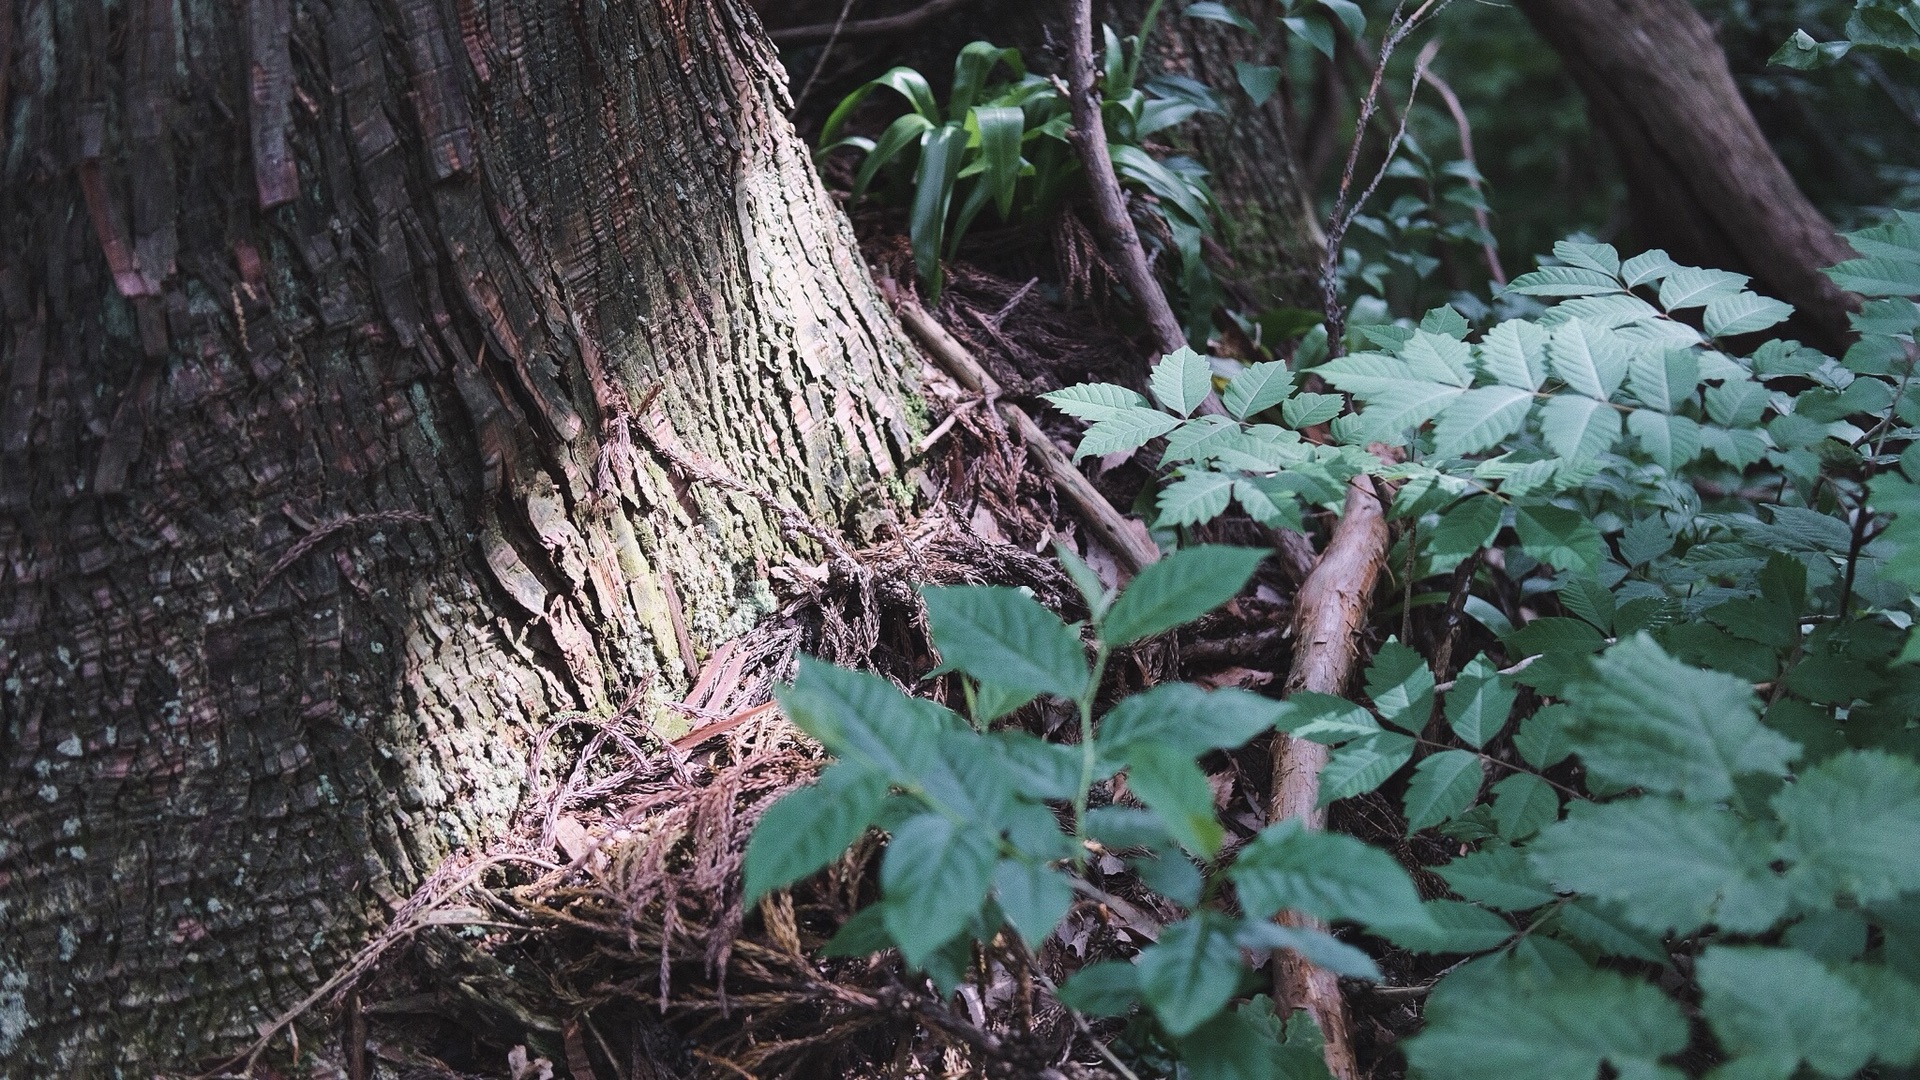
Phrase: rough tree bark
pixel 321 325
pixel 1702 180
pixel 1270 230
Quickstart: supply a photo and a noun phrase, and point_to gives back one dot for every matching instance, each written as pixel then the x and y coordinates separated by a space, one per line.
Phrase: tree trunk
pixel 1702 180
pixel 1271 231
pixel 323 324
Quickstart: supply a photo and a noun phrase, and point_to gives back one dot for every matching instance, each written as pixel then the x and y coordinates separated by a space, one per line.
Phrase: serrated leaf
pixel 864 718
pixel 1648 266
pixel 1479 702
pixel 1181 380
pixel 1852 827
pixel 1194 498
pixel 1179 589
pixel 1175 789
pixel 1602 926
pixel 935 877
pixel 1480 419
pixel 1663 378
pixel 1600 258
pixel 1645 719
pixel 1736 403
pixel 1689 287
pixel 1126 431
pixel 1878 276
pixel 1317 947
pixel 1588 599
pixel 1401 685
pixel 1564 281
pixel 1671 441
pixel 1108 988
pixel 1457 927
pixel 1563 539
pixel 1393 411
pixel 1004 637
pixel 1191 973
pixel 1306 410
pixel 1442 786
pixel 1578 428
pixel 1186 718
pixel 1467 527
pixel 1785 1006
pixel 1523 804
pixel 1324 718
pixel 1545 738
pixel 1034 898
pixel 1327 875
pixel 1438 357
pixel 1096 401
pixel 1743 313
pixel 1508 1019
pixel 1515 354
pixel 1363 764
pixel 1499 877
pixel 1202 439
pixel 811 827
pixel 1589 358
pixel 1260 387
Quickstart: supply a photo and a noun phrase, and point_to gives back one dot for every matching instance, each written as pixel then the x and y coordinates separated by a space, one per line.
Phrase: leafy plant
pixel 1893 25
pixel 1002 143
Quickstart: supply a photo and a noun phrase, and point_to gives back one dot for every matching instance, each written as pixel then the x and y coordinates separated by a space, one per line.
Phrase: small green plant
pixel 1893 25
pixel 1002 143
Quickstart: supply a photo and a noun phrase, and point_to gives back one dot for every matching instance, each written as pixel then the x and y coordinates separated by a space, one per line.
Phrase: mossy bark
pixel 395 275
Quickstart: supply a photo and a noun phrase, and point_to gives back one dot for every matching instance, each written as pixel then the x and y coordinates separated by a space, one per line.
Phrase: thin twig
pixel 1480 218
pixel 889 24
pixel 1109 203
pixel 1079 1021
pixel 826 50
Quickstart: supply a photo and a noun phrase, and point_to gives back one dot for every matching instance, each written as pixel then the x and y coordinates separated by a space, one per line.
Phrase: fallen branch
pixel 1126 539
pixel 1109 203
pixel 1330 611
pixel 886 24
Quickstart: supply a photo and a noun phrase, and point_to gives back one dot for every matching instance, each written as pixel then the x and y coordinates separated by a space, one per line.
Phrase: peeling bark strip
pixel 270 100
pixel 209 798
pixel 1330 611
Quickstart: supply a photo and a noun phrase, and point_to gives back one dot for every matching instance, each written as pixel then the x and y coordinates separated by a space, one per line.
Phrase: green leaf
pixel 1181 380
pixel 1506 1019
pixel 1004 637
pixel 1454 927
pixel 1479 702
pixel 1852 827
pixel 1736 403
pixel 1671 441
pixel 972 68
pixel 1364 764
pixel 1041 769
pixel 1191 973
pixel 1260 387
pixel 1578 428
pixel 1589 358
pixel 1392 412
pixel 1188 719
pixel 942 151
pixel 1174 788
pixel 1545 739
pixel 1439 357
pixel 1481 418
pixel 865 719
pixel 1317 947
pixel 1097 401
pixel 1565 281
pixel 1442 786
pixel 1644 719
pixel 1327 875
pixel 1306 410
pixel 1401 685
pixel 1466 528
pixel 1604 927
pixel 1260 81
pixel 1348 13
pixel 1034 897
pixel 1220 13
pixel 1563 539
pixel 1743 313
pixel 935 877
pixel 1600 258
pixel 1878 276
pixel 1590 600
pixel 1663 378
pixel 1522 805
pixel 862 935
pixel 811 827
pixel 1001 128
pixel 1498 877
pixel 1784 1006
pixel 1648 266
pixel 1179 589
pixel 1108 988
pixel 1124 432
pixel 905 81
pixel 1668 865
pixel 1323 718
pixel 1515 354
pixel 1193 499
pixel 1688 287
pixel 1802 53
pixel 902 133
pixel 1314 32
